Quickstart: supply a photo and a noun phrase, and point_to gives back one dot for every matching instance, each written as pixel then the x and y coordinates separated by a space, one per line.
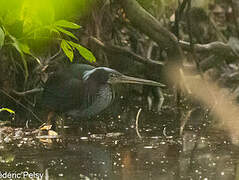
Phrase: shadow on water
pixel 120 154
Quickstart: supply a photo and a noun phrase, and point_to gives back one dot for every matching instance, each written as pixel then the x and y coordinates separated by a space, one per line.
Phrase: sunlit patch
pixel 84 138
pixel 31 17
pixel 222 103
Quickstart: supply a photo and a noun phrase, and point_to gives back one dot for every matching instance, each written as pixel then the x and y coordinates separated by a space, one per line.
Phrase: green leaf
pixel 25 48
pixel 21 48
pixel 8 110
pixel 2 37
pixel 16 45
pixel 87 54
pixel 67 24
pixel 66 32
pixel 53 29
pixel 67 49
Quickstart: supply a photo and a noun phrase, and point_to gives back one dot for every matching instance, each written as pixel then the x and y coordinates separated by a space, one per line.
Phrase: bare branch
pixel 19 103
pixel 32 91
pixel 123 51
pixel 137 124
pixel 217 47
pixel 54 56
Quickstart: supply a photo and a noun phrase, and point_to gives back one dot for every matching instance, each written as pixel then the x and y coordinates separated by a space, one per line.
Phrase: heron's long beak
pixel 133 80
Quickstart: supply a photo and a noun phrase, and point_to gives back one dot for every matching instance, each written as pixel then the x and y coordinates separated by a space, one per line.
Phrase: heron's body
pixel 83 90
pixel 67 92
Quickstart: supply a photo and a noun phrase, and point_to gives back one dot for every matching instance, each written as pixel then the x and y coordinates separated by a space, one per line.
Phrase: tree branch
pixel 150 26
pixel 123 51
pixel 217 47
pixel 32 91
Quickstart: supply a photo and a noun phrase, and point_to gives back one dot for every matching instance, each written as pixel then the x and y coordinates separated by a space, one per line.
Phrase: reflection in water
pixel 120 157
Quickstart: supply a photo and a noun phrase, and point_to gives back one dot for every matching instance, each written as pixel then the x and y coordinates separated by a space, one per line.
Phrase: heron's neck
pixel 94 102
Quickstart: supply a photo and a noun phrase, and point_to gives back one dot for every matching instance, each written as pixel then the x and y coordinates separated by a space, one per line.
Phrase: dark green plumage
pixel 83 90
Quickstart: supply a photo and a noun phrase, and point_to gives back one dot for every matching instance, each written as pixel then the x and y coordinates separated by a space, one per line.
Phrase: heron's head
pixel 111 76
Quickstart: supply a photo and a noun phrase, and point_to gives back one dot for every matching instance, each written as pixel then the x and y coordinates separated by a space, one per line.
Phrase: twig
pixel 137 123
pixel 165 134
pixel 29 110
pixel 185 119
pixel 235 13
pixel 32 91
pixel 43 66
pixel 54 56
pixel 199 69
pixel 117 49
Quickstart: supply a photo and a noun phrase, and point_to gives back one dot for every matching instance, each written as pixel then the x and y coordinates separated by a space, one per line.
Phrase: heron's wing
pixel 62 93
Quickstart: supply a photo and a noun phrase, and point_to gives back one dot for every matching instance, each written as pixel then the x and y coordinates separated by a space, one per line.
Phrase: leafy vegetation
pixel 24 23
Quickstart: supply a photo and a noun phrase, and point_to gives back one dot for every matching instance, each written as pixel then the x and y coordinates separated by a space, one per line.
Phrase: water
pixel 110 148
pixel 118 155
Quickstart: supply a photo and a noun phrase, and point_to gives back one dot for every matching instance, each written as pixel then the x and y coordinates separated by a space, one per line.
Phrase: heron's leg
pixel 161 99
pixel 61 125
pixel 49 117
pixel 158 99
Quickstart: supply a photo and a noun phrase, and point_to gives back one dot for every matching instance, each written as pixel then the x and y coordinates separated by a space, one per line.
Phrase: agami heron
pixel 82 91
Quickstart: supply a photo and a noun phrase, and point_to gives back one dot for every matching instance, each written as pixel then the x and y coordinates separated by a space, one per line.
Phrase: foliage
pixel 24 23
pixel 8 110
pixel 2 37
